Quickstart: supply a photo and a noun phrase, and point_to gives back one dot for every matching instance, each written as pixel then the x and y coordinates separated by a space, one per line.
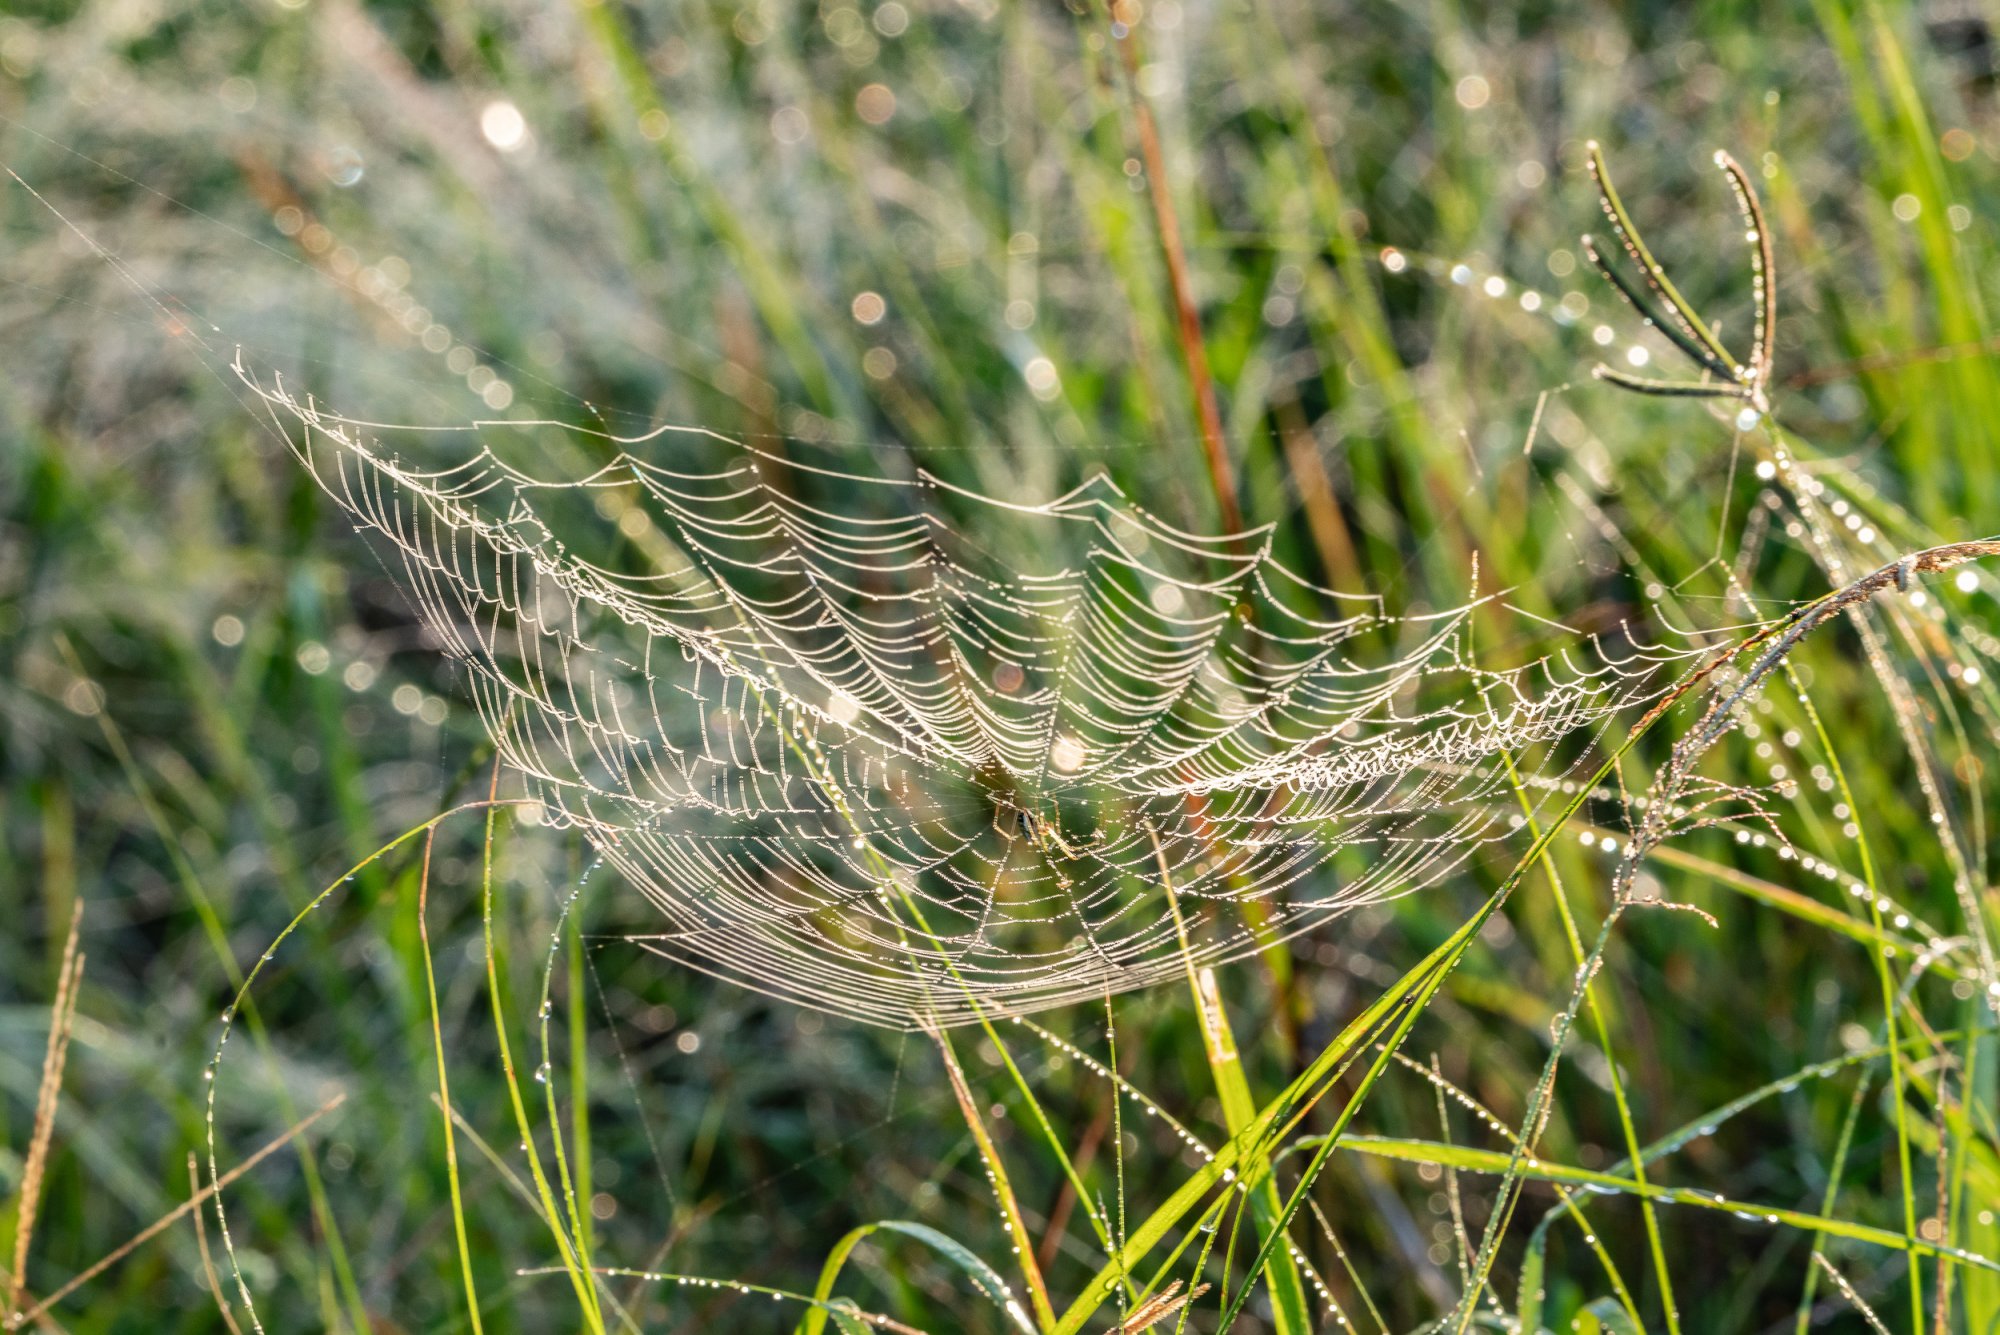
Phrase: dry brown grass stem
pixel 1065 1201
pixel 1891 361
pixel 1194 352
pixel 1159 1307
pixel 1010 1208
pixel 62 1020
pixel 160 1225
pixel 1847 1291
pixel 1316 496
pixel 208 1270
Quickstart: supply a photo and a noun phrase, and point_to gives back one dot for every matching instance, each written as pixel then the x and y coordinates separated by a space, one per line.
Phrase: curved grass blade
pixel 1470 1160
pixel 984 1278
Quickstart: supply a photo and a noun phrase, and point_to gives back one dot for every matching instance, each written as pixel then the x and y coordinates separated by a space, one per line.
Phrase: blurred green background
pixel 923 233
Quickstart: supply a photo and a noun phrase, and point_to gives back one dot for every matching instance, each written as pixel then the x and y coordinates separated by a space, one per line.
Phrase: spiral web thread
pixel 858 764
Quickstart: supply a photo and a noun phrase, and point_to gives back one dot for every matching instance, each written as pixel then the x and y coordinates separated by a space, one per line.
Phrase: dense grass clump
pixel 318 1012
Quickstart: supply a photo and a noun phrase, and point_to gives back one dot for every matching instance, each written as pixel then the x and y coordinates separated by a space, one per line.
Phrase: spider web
pixel 858 761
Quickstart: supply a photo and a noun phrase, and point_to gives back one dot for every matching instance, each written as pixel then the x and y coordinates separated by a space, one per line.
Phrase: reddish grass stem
pixel 1201 382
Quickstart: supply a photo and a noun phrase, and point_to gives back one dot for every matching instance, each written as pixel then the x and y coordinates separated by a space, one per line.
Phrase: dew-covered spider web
pixel 892 748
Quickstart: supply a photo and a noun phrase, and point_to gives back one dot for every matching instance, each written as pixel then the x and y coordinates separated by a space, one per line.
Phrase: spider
pixel 1011 822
